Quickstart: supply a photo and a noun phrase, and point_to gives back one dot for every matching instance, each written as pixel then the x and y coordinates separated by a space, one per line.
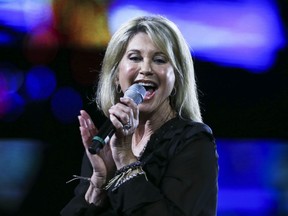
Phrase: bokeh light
pixel 11 103
pixel 3 95
pixel 24 15
pixel 245 34
pixel 5 38
pixel 41 40
pixel 20 160
pixel 14 77
pixel 40 83
pixel 253 177
pixel 66 104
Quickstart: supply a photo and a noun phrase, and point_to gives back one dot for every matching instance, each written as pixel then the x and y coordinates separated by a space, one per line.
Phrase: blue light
pixel 5 38
pixel 246 34
pixel 249 180
pixel 14 78
pixel 66 104
pixel 11 103
pixel 256 201
pixel 24 15
pixel 15 106
pixel 20 161
pixel 40 83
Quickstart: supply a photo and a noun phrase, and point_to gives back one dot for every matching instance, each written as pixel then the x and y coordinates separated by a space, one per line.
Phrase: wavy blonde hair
pixel 171 42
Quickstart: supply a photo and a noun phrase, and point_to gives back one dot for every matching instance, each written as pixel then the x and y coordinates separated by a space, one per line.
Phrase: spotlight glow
pixel 40 83
pixel 65 104
pixel 246 34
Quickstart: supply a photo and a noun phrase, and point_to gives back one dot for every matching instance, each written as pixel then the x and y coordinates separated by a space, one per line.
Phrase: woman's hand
pixel 102 163
pixel 125 118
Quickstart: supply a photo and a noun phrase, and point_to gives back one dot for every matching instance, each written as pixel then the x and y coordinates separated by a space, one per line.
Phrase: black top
pixel 181 164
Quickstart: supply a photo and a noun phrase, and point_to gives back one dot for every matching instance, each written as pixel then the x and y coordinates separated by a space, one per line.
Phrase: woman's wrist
pixel 95 195
pixel 126 173
pixel 124 161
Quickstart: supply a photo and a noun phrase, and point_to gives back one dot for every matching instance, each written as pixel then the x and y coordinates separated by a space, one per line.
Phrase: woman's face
pixel 144 63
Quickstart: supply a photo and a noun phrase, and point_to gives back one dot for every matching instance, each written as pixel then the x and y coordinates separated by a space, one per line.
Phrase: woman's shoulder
pixel 195 136
pixel 178 133
pixel 185 127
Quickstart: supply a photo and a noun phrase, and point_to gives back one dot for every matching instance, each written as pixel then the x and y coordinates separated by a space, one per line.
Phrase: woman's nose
pixel 146 68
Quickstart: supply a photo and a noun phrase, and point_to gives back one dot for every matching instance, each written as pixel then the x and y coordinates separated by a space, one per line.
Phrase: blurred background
pixel 50 58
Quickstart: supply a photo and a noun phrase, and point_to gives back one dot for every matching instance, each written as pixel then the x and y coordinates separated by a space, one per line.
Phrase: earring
pixel 118 89
pixel 173 92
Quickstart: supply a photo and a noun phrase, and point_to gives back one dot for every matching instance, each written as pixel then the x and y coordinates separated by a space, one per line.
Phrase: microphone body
pixel 136 92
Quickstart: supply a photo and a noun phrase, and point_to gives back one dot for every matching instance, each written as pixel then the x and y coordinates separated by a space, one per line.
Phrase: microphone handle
pixel 98 142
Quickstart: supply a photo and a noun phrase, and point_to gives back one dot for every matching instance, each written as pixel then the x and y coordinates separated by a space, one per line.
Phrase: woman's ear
pixel 116 79
pixel 117 84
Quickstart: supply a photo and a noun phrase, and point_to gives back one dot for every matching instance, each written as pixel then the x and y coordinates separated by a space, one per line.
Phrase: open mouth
pixel 150 88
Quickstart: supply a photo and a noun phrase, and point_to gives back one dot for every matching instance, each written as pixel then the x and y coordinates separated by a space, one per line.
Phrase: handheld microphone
pixel 136 92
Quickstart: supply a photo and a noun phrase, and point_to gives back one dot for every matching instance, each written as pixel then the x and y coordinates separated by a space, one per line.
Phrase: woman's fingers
pixel 130 103
pixel 86 136
pixel 88 122
pixel 121 113
pixel 124 113
pixel 87 128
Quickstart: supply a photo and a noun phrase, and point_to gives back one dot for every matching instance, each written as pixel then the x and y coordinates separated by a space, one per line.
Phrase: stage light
pixel 12 106
pixel 42 40
pixel 5 38
pixel 4 99
pixel 253 176
pixel 241 34
pixel 66 104
pixel 11 103
pixel 40 83
pixel 20 160
pixel 25 15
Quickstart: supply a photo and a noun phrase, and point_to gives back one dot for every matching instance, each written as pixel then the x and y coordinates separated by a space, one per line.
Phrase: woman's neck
pixel 149 123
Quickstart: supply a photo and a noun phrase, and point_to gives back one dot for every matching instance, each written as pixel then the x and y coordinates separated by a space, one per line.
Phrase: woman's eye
pixel 135 58
pixel 160 60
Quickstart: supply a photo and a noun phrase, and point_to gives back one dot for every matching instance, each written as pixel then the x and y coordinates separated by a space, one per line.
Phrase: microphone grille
pixel 136 92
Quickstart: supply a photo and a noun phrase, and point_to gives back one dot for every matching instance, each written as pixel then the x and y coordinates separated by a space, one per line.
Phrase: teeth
pixel 147 84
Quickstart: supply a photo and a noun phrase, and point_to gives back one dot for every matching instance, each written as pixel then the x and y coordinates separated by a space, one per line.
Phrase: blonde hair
pixel 170 41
